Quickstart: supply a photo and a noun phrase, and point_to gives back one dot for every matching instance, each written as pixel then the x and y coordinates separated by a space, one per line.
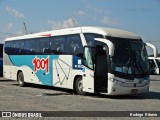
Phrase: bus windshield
pixel 130 57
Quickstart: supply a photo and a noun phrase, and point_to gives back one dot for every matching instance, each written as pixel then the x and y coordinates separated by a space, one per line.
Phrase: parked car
pixel 154 65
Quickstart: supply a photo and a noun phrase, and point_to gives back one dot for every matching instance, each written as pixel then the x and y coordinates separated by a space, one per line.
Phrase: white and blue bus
pixel 86 59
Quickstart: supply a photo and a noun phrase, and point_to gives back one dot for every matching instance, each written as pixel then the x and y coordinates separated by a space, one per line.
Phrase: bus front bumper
pixel 128 88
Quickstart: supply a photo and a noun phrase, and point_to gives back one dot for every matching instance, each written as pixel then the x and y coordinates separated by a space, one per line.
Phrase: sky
pixel 138 16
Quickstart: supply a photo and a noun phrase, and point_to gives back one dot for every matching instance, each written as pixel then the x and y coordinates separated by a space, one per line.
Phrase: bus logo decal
pixel 41 64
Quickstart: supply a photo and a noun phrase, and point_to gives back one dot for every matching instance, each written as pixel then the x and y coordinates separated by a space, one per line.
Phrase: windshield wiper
pixel 127 65
pixel 137 63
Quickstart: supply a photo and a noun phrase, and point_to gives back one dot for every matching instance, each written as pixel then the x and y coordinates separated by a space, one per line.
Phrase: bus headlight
pixel 115 81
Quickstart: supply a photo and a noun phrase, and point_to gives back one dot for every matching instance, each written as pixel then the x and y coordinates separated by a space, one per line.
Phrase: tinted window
pixel 57 45
pixel 29 46
pixel 90 38
pixel 18 47
pixel 121 49
pixel 98 43
pixel 9 47
pixel 42 46
pixel 74 45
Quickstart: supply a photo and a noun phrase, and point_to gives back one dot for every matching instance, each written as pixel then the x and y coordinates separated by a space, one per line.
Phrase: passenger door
pixel 101 69
pixel 95 77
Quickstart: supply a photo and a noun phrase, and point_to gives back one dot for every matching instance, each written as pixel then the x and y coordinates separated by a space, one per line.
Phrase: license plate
pixel 134 91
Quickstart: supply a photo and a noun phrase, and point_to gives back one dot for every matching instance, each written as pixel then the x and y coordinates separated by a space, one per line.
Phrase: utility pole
pixel 74 23
pixel 25 28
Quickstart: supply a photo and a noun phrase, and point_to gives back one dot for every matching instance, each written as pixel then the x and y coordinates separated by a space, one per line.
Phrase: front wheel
pixel 79 86
pixel 20 79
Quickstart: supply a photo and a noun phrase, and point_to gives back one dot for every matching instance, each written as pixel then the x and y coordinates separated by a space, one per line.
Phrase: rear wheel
pixel 20 79
pixel 79 86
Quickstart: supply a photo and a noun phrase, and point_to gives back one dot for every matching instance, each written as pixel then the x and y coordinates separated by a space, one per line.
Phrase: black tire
pixel 79 87
pixel 20 80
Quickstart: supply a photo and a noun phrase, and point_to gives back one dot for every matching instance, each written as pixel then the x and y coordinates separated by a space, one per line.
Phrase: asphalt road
pixel 42 98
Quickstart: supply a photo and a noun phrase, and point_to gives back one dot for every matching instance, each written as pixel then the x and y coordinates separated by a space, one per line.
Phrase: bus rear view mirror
pixel 108 43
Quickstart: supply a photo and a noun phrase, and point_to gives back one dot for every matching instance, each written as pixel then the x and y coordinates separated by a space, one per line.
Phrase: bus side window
pixel 29 47
pixel 42 46
pixel 18 47
pixel 57 45
pixel 9 47
pixel 90 38
pixel 74 45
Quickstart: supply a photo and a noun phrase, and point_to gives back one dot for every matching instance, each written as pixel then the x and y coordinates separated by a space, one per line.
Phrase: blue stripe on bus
pixel 26 60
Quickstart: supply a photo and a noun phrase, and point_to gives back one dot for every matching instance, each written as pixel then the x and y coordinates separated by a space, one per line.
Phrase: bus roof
pixel 112 32
pixel 99 30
